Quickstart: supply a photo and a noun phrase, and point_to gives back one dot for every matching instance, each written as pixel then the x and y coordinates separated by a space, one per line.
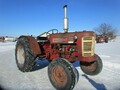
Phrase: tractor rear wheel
pixel 93 68
pixel 24 56
pixel 62 74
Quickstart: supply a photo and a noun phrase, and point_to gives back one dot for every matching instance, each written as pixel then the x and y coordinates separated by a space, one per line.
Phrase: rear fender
pixel 33 44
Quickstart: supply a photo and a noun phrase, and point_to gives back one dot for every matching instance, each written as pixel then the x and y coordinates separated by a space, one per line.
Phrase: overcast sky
pixel 33 17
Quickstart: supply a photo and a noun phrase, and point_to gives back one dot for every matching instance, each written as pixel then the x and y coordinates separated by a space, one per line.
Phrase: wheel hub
pixel 59 76
pixel 20 55
pixel 92 67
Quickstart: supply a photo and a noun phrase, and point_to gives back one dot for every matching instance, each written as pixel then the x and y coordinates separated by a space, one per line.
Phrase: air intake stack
pixel 65 19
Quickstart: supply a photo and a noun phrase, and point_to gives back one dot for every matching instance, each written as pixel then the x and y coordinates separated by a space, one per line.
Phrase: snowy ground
pixel 109 79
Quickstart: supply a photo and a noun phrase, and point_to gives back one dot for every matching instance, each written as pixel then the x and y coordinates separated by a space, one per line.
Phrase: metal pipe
pixel 65 19
pixel 65 11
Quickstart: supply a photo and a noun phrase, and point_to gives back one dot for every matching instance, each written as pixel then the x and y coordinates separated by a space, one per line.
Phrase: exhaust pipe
pixel 65 19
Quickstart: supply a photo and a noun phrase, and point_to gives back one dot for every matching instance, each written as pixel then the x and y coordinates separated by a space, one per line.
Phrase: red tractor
pixel 101 38
pixel 61 49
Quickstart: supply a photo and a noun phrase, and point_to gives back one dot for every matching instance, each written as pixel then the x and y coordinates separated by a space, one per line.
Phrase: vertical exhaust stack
pixel 65 19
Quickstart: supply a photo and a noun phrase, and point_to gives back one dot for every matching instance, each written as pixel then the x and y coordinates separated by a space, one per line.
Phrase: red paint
pixel 60 45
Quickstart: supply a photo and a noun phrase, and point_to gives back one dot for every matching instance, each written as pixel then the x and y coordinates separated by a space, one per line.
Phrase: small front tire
pixel 62 74
pixel 92 68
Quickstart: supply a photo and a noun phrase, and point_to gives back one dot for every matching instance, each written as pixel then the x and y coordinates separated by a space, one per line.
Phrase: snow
pixel 13 79
pixel 5 46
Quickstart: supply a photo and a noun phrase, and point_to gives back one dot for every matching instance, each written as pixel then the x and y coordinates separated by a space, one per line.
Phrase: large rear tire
pixel 92 68
pixel 62 74
pixel 24 55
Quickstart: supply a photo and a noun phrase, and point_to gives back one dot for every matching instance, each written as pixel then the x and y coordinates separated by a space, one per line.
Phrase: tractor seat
pixel 42 39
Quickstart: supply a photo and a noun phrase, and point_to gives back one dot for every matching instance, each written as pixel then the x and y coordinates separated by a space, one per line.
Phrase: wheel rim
pixel 20 55
pixel 90 68
pixel 59 76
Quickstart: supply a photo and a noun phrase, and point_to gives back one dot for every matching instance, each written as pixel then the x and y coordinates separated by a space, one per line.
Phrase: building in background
pixel 2 39
pixel 7 39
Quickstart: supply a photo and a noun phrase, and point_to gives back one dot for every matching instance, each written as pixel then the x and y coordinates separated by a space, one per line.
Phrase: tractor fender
pixel 33 44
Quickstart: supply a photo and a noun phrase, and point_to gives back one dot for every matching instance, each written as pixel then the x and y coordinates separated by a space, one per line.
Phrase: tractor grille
pixel 88 46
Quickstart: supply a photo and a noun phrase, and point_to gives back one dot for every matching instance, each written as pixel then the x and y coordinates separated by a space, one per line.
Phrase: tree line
pixel 106 30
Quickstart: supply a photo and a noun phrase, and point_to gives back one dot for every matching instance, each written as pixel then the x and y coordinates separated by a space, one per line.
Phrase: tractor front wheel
pixel 92 68
pixel 62 74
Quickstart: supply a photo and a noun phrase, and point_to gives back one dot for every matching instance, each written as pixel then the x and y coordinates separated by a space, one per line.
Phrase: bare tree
pixel 106 30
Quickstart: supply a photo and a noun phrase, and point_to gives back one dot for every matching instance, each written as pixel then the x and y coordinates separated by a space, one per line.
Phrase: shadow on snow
pixel 76 63
pixel 98 86
pixel 40 64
